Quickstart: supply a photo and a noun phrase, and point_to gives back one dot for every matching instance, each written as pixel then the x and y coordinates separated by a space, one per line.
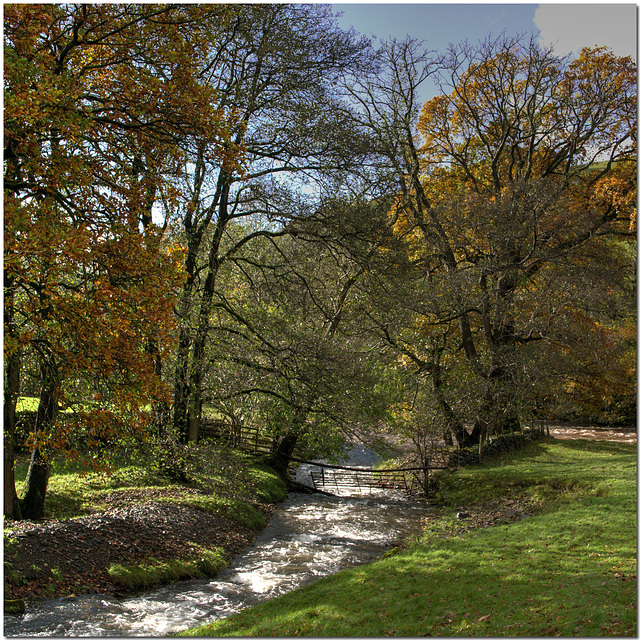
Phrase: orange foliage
pixel 525 162
pixel 99 100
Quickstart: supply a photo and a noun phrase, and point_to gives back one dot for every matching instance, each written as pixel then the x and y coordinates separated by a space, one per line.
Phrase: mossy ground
pixel 133 529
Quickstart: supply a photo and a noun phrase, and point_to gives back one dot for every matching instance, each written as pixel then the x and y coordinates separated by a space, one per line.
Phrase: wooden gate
pixel 239 436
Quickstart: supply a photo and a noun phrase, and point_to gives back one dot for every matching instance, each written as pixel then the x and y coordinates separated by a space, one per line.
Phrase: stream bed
pixel 308 537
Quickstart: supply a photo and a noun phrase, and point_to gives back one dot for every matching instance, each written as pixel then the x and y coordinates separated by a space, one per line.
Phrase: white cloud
pixel 569 27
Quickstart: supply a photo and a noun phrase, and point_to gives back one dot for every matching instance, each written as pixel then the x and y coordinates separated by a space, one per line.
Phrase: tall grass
pixel 570 570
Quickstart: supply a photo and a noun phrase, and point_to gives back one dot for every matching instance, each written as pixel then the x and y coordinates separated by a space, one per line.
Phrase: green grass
pixel 233 488
pixel 73 492
pixel 570 570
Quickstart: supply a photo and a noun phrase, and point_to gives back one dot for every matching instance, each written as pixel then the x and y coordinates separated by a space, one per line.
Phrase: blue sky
pixel 568 26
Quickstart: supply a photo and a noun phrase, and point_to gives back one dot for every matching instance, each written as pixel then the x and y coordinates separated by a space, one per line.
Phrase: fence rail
pixel 239 436
pixel 329 477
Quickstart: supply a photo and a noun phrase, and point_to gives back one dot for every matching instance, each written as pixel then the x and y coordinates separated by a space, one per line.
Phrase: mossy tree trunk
pixel 11 390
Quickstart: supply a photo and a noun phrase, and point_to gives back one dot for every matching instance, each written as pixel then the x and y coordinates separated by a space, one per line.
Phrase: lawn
pixel 570 570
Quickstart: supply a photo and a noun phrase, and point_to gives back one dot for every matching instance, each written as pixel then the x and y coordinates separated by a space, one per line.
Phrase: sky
pixel 569 27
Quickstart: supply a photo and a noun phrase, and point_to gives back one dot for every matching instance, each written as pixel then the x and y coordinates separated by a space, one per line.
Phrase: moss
pixel 14 607
pixel 128 578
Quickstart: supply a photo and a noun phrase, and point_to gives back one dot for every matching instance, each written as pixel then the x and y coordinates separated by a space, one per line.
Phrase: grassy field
pixel 570 570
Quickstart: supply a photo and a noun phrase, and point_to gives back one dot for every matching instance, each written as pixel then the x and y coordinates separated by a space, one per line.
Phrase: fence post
pixel 426 476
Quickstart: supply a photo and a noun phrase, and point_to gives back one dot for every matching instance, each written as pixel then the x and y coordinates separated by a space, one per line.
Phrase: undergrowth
pixel 230 482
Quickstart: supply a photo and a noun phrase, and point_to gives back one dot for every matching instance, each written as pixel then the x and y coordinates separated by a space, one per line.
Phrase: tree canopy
pixel 245 211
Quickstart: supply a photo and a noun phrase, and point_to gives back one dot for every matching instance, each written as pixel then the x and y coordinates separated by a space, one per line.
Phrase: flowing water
pixel 308 537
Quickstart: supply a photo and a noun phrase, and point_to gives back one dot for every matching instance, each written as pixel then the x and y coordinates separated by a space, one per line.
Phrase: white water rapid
pixel 308 537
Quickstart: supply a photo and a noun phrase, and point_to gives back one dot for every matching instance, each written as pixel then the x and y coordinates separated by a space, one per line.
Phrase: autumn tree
pixel 100 101
pixel 523 163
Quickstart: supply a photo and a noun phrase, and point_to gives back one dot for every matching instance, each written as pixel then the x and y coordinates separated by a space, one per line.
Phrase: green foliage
pixel 570 570
pixel 211 465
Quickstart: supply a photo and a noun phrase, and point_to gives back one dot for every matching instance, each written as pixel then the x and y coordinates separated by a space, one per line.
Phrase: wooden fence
pixel 239 436
pixel 328 477
pixel 337 478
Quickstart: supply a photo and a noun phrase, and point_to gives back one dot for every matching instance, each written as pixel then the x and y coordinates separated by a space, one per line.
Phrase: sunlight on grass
pixel 154 573
pixel 570 570
pixel 74 492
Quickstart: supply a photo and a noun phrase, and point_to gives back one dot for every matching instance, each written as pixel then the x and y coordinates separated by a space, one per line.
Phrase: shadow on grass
pixel 570 571
pixel 602 446
pixel 457 590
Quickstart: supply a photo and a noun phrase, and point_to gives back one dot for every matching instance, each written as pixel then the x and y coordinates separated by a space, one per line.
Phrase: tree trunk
pixel 204 316
pixel 453 424
pixel 469 439
pixel 11 391
pixel 188 383
pixel 32 505
pixel 160 408
pixel 193 421
pixel 182 391
pixel 278 459
pixel 181 386
pixel 13 364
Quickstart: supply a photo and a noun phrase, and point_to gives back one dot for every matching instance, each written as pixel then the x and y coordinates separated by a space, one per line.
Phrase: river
pixel 309 536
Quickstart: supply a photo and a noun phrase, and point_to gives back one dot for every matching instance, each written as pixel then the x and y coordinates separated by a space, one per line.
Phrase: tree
pixel 291 350
pixel 278 71
pixel 99 100
pixel 522 163
pixel 587 370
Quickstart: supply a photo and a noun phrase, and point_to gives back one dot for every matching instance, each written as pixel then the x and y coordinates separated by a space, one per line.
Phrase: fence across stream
pixel 332 478
pixel 326 477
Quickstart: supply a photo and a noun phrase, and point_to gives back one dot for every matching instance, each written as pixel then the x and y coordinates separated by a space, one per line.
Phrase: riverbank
pixel 133 530
pixel 564 564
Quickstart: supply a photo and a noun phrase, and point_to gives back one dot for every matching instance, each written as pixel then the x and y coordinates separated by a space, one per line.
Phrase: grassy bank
pixel 230 484
pixel 173 531
pixel 570 570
